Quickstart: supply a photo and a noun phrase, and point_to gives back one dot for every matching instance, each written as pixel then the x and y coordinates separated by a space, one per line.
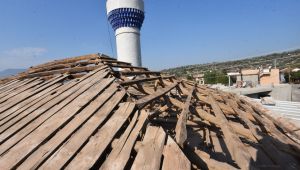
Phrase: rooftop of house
pixel 250 72
pixel 82 113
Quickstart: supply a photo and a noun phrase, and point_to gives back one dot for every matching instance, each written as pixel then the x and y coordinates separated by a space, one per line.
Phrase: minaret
pixel 126 18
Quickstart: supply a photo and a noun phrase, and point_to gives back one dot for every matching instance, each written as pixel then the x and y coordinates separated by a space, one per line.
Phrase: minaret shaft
pixel 126 18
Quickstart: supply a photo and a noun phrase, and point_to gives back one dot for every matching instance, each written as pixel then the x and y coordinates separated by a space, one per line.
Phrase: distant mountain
pixel 282 60
pixel 10 72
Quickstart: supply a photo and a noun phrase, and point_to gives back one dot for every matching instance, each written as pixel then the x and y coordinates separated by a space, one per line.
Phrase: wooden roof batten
pixel 81 113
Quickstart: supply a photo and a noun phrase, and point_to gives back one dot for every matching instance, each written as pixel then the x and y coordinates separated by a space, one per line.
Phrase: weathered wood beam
pixel 126 66
pixel 136 81
pixel 133 73
pixel 72 60
pixel 292 148
pixel 176 102
pixel 174 158
pixel 263 139
pixel 238 129
pixel 144 89
pixel 174 121
pixel 225 108
pixel 88 155
pixel 43 152
pixel 57 121
pixel 109 61
pixel 150 153
pixel 181 132
pixel 159 93
pixel 61 71
pixel 61 66
pixel 120 154
pixel 283 125
pixel 7 79
pixel 235 146
pixel 212 163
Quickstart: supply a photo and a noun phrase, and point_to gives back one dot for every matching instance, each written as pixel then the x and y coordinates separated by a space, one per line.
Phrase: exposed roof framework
pixel 85 112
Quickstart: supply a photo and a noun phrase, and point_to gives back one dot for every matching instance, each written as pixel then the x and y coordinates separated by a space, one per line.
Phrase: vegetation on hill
pixel 283 60
pixel 10 72
pixel 294 77
pixel 215 77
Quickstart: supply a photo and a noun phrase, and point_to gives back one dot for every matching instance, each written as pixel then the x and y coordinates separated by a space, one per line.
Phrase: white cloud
pixel 26 52
pixel 21 57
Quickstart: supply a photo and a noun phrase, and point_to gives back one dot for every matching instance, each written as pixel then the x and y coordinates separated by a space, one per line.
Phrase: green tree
pixel 189 77
pixel 214 77
pixel 295 76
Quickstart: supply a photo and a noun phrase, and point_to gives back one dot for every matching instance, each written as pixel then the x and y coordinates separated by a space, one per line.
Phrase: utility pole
pixel 289 74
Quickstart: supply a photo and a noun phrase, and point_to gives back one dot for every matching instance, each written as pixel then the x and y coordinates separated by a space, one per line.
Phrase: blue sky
pixel 175 32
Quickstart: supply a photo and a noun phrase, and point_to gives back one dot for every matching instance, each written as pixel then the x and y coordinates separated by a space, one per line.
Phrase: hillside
pixel 283 60
pixel 10 72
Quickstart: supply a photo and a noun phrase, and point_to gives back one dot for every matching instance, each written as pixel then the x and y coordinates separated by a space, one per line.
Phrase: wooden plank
pixel 25 127
pixel 126 66
pixel 146 100
pixel 270 126
pixel 27 108
pixel 267 143
pixel 212 163
pixel 7 79
pixel 69 85
pixel 8 85
pixel 119 156
pixel 30 95
pixel 20 83
pixel 215 146
pixel 182 89
pixel 13 112
pixel 226 109
pixel 50 127
pixel 47 82
pixel 136 81
pixel 236 148
pixel 46 150
pixel 68 60
pixel 20 90
pixel 61 98
pixel 150 153
pixel 240 130
pixel 174 121
pixel 63 66
pixel 118 144
pixel 181 133
pixel 175 102
pixel 72 146
pixel 61 71
pixel 90 153
pixel 258 108
pixel 26 87
pixel 34 104
pixel 174 158
pixel 208 117
pixel 133 73
pixel 106 61
pixel 20 87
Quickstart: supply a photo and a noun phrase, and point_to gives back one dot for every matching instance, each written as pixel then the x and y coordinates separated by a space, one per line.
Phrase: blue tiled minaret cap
pixel 126 17
pixel 125 13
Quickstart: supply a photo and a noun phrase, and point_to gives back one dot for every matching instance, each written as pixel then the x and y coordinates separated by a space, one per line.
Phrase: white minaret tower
pixel 126 18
